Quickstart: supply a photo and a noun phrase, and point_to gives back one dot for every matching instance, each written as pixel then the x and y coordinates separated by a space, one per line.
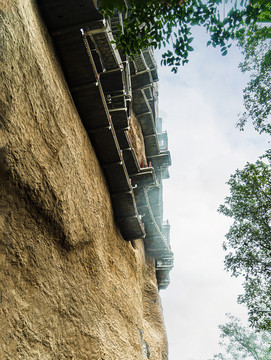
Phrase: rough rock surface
pixel 137 140
pixel 70 286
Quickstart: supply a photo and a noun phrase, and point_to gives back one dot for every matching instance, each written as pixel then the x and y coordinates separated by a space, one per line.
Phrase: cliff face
pixel 71 287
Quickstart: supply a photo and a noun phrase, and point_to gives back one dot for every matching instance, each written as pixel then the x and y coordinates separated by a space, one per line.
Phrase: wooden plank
pixel 154 75
pixel 139 63
pixel 163 140
pixel 141 80
pixel 130 161
pixel 152 248
pixel 144 178
pixel 149 58
pixel 131 228
pixel 151 145
pixel 152 230
pixel 97 59
pixel 164 263
pixel 74 58
pixel 110 57
pixel 157 210
pixel 166 233
pixel 123 139
pixel 124 204
pixel 140 105
pixel 61 14
pixel 120 119
pixel 150 61
pixel 112 81
pixel 117 177
pixel 155 195
pixel 91 108
pixel 140 198
pixel 165 174
pixel 161 160
pixel 162 279
pixel 116 102
pixel 147 124
pixel 148 93
pixel 105 146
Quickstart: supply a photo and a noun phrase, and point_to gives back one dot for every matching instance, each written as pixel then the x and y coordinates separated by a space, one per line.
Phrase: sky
pixel 200 107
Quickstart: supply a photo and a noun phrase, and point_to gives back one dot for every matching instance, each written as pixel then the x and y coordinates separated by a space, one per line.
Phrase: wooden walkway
pixel 105 86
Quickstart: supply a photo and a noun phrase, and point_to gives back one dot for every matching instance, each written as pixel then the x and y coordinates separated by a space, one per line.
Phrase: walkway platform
pixel 105 86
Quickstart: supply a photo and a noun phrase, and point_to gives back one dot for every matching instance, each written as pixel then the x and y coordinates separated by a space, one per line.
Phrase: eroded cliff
pixel 71 287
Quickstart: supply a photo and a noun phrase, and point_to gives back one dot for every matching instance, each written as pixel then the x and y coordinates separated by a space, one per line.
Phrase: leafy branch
pixel 167 24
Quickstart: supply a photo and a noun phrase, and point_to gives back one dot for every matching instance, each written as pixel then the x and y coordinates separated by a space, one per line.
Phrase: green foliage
pixel 248 243
pixel 241 342
pixel 168 24
pixel 255 43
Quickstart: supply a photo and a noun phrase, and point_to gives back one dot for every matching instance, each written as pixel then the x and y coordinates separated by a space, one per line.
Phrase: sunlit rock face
pixel 71 287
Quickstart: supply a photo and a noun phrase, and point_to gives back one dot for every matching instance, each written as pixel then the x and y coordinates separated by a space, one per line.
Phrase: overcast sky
pixel 200 107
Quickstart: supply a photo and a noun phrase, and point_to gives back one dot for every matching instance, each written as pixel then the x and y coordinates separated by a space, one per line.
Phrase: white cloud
pixel 199 107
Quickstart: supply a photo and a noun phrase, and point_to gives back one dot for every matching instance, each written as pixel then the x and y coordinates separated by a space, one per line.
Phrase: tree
pixel 241 342
pixel 255 44
pixel 248 242
pixel 167 23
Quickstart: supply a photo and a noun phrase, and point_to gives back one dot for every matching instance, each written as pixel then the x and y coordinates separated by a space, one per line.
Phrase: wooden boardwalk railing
pixel 103 87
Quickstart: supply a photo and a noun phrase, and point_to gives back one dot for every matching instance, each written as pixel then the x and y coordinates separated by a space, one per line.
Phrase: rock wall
pixel 70 286
pixel 137 140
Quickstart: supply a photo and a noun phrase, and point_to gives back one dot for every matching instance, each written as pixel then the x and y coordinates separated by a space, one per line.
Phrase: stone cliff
pixel 71 287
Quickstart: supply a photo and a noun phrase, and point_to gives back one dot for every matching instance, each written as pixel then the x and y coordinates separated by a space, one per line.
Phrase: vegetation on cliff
pixel 255 44
pixel 240 342
pixel 247 243
pixel 168 24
